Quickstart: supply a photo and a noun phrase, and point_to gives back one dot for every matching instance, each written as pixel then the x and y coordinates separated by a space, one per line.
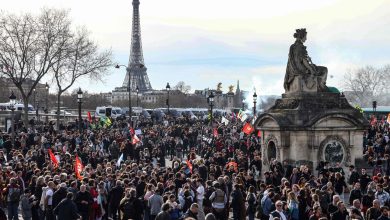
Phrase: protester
pixel 183 168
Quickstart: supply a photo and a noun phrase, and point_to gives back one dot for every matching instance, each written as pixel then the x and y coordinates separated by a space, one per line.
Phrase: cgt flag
pixel 248 128
pixel 53 158
pixel 78 168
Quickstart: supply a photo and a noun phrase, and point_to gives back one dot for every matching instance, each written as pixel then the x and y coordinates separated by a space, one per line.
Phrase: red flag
pixel 78 168
pixel 89 117
pixel 189 164
pixel 373 120
pixel 259 134
pixel 248 128
pixel 234 164
pixel 53 158
pixel 131 130
pixel 135 140
pixel 215 132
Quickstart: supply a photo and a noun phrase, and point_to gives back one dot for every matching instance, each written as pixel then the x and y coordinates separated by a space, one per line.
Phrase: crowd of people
pixel 180 169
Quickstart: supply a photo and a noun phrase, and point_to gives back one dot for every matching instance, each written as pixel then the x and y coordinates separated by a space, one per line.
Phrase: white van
pixel 18 107
pixel 113 112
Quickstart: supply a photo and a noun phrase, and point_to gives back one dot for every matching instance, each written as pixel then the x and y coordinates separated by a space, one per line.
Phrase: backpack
pixel 14 195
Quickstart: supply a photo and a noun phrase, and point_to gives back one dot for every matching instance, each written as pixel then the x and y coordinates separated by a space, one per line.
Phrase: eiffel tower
pixel 137 69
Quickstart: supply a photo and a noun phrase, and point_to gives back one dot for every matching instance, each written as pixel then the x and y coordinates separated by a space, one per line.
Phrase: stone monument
pixel 310 123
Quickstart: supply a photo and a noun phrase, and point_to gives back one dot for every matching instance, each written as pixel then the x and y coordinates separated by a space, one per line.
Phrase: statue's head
pixel 300 34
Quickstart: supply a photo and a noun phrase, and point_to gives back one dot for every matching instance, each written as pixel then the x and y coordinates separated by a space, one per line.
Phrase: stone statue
pixel 219 87
pixel 301 73
pixel 231 88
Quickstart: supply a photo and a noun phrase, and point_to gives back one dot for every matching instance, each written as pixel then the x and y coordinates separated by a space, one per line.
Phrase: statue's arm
pixel 308 66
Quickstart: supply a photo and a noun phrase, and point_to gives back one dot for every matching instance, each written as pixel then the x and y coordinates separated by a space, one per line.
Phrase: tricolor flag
pixel 248 128
pixel 53 158
pixel 78 168
pixel 224 121
pixel 135 140
pixel 241 115
pixel 118 163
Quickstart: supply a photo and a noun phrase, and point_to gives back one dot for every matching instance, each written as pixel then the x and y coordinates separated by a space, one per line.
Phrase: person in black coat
pixel 341 213
pixel 356 193
pixel 192 212
pixel 67 209
pixel 116 195
pixel 60 194
pixel 354 177
pixel 385 213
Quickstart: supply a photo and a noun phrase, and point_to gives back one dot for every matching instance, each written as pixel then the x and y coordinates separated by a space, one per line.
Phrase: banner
pixel 138 132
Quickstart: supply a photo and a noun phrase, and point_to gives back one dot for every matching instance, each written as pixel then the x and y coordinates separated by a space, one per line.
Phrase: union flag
pixel 248 128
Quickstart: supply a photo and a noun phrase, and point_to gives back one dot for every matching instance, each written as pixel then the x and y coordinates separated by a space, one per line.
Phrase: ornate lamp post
pixel 211 103
pixel 137 89
pixel 254 104
pixel 79 100
pixel 47 102
pixel 12 101
pixel 128 89
pixel 168 87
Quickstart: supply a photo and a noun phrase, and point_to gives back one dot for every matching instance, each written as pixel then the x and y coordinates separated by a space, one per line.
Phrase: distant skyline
pixel 205 42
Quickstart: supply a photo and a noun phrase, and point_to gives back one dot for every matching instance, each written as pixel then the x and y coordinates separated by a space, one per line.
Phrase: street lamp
pixel 168 87
pixel 79 100
pixel 128 88
pixel 374 106
pixel 35 97
pixel 12 101
pixel 137 89
pixel 47 102
pixel 211 102
pixel 254 104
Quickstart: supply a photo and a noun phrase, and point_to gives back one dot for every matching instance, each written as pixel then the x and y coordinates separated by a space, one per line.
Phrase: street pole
pixel 79 100
pixel 137 89
pixel 168 88
pixel 254 104
pixel 129 82
pixel 47 103
pixel 12 101
pixel 13 125
pixel 211 114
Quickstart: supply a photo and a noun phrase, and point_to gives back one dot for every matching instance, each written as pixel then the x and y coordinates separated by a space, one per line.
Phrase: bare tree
pixel 29 47
pixel 80 58
pixel 182 87
pixel 366 84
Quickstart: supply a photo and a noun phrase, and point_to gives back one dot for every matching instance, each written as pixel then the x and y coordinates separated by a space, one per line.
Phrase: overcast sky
pixel 203 42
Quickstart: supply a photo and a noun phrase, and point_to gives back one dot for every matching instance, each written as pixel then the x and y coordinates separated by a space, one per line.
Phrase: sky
pixel 204 42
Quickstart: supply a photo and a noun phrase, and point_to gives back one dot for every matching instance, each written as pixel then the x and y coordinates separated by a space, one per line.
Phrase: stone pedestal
pixel 309 127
